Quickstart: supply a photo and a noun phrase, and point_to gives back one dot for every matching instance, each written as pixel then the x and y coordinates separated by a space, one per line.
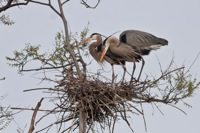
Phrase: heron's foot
pixel 133 81
pixel 113 85
pixel 138 79
pixel 122 83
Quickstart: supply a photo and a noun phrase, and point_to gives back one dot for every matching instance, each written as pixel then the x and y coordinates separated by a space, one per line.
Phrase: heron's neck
pixel 93 51
pixel 97 42
pixel 94 45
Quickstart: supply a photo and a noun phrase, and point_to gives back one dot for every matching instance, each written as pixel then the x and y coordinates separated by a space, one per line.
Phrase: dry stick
pixel 114 121
pixel 145 124
pixel 178 109
pixel 90 126
pixel 47 68
pixel 33 109
pixel 62 118
pixel 3 78
pixel 193 62
pixel 50 89
pixel 50 112
pixel 136 109
pixel 167 73
pixel 49 126
pixel 159 108
pixel 34 116
pixel 124 118
pixel 75 122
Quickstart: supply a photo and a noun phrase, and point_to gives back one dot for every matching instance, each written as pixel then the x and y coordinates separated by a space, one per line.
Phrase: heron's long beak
pixel 107 45
pixel 86 41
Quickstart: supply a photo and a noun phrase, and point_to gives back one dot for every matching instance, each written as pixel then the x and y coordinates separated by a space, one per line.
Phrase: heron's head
pixel 94 36
pixel 106 43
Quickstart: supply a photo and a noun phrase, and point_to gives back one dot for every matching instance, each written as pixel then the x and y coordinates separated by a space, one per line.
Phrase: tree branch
pixel 46 68
pixel 9 5
pixel 88 6
pixel 65 2
pixel 34 116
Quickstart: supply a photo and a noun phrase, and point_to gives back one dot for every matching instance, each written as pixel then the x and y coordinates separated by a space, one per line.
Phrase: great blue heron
pixel 131 46
pixel 96 49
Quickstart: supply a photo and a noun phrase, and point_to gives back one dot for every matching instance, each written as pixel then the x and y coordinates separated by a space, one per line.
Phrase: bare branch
pixel 3 78
pixel 31 128
pixel 46 4
pixel 84 2
pixel 11 3
pixel 46 68
pixel 65 2
pixel 38 2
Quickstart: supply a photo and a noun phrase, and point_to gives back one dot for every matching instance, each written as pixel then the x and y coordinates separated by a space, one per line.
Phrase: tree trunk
pixel 67 39
pixel 82 122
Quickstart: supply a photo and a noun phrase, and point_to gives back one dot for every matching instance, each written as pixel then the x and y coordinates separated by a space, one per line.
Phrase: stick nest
pixel 99 100
pixel 104 104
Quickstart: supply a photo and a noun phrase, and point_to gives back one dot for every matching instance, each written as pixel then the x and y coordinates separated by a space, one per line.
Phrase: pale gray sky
pixel 175 20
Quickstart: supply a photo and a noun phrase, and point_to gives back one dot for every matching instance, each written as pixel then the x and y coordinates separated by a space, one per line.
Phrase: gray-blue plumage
pixel 132 45
pixel 143 42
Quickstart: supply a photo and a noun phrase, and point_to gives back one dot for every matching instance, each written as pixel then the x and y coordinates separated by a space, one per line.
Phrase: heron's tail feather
pixel 162 41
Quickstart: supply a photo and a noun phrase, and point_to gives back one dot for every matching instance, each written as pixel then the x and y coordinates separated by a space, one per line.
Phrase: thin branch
pixel 158 109
pixel 47 68
pixel 46 4
pixel 32 109
pixel 54 9
pixel 37 2
pixel 165 74
pixel 65 2
pixel 49 89
pixel 178 109
pixel 145 124
pixel 3 78
pixel 193 62
pixel 31 128
pixel 88 6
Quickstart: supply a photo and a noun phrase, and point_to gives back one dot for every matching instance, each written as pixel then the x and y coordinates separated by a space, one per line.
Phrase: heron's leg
pixel 134 67
pixel 113 75
pixel 123 73
pixel 124 67
pixel 143 62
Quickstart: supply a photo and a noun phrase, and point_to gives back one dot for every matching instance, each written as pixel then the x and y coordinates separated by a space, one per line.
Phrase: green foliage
pixel 6 20
pixel 59 58
pixel 185 84
pixel 6 116
pixel 178 84
pixel 29 53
